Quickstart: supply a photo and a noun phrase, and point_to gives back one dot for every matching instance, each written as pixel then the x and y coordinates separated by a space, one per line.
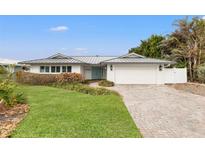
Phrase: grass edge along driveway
pixel 56 112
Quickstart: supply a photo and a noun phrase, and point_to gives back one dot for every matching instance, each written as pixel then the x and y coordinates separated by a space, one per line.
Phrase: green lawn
pixel 59 113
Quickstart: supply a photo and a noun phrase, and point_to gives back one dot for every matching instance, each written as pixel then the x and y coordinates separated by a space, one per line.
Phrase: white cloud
pixel 59 29
pixel 80 49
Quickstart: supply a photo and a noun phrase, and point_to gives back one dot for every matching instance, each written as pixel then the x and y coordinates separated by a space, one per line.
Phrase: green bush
pixel 86 89
pixel 3 70
pixel 201 73
pixel 106 83
pixel 8 94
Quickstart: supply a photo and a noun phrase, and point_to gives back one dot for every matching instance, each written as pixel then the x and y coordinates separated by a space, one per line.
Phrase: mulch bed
pixel 10 117
pixel 195 88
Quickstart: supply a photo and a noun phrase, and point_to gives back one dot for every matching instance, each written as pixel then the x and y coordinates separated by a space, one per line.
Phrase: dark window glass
pixel 53 69
pixel 47 69
pixel 41 68
pixel 69 69
pixel 58 68
pixel 63 68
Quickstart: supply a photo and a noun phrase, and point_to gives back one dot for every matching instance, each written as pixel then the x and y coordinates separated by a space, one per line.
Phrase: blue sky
pixel 30 37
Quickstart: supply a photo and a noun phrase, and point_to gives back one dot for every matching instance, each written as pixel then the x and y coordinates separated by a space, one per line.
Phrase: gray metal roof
pixel 55 59
pixel 138 60
pixel 93 59
pixel 128 58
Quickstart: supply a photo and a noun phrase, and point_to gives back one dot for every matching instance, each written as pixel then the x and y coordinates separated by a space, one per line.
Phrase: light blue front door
pixel 96 73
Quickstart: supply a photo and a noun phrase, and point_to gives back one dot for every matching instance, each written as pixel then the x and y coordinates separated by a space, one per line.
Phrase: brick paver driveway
pixel 161 111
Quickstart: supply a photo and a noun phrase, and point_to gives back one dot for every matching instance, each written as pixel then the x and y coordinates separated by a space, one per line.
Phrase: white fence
pixel 175 75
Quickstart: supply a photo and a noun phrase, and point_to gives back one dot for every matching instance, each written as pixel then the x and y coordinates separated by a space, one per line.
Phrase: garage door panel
pixel 135 75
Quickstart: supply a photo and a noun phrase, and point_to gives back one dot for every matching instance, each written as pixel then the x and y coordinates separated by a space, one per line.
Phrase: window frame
pixel 69 70
pixel 47 67
pixel 52 69
pixel 42 70
pixel 58 67
pixel 64 67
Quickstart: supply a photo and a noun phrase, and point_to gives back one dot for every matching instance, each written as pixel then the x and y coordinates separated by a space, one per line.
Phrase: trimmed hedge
pixel 106 83
pixel 35 79
pixel 47 79
pixel 86 89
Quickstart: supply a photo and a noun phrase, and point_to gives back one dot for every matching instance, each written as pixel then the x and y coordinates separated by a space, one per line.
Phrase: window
pixel 47 69
pixel 42 69
pixel 53 69
pixel 63 68
pixel 58 69
pixel 69 69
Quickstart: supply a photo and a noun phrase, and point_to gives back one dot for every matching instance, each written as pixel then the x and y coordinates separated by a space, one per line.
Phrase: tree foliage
pixel 186 45
pixel 150 47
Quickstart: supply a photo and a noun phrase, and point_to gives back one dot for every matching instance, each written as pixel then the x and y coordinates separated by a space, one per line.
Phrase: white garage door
pixel 135 74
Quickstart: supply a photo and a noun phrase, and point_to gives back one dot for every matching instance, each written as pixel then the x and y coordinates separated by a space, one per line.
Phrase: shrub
pixel 35 79
pixel 106 83
pixel 201 73
pixel 47 79
pixel 86 89
pixel 8 94
pixel 70 78
pixel 3 70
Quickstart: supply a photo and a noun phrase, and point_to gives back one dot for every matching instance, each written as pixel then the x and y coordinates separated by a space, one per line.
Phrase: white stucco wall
pixel 134 74
pixel 36 68
pixel 145 74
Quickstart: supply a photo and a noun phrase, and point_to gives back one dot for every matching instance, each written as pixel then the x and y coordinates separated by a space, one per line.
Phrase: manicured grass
pixel 57 112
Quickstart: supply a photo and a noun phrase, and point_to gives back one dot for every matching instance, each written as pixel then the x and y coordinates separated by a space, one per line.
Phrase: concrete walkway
pixel 161 111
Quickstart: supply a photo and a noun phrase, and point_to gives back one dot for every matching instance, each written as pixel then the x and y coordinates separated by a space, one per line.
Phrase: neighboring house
pixel 11 65
pixel 127 69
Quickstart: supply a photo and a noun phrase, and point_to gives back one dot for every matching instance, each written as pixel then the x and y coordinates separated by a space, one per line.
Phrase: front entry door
pixel 96 73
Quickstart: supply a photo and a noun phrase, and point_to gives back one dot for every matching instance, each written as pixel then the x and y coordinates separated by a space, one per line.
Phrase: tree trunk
pixel 194 68
pixel 190 69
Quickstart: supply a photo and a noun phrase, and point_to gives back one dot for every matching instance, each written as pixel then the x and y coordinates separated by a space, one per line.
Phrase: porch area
pixel 94 72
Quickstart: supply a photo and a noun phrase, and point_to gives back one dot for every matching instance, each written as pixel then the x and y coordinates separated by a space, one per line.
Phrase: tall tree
pixel 186 44
pixel 150 47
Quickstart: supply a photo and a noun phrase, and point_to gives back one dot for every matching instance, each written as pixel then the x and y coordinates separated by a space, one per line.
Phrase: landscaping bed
pixel 10 117
pixel 195 88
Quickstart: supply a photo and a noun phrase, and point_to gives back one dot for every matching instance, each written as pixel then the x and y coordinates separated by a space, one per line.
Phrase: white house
pixel 127 69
